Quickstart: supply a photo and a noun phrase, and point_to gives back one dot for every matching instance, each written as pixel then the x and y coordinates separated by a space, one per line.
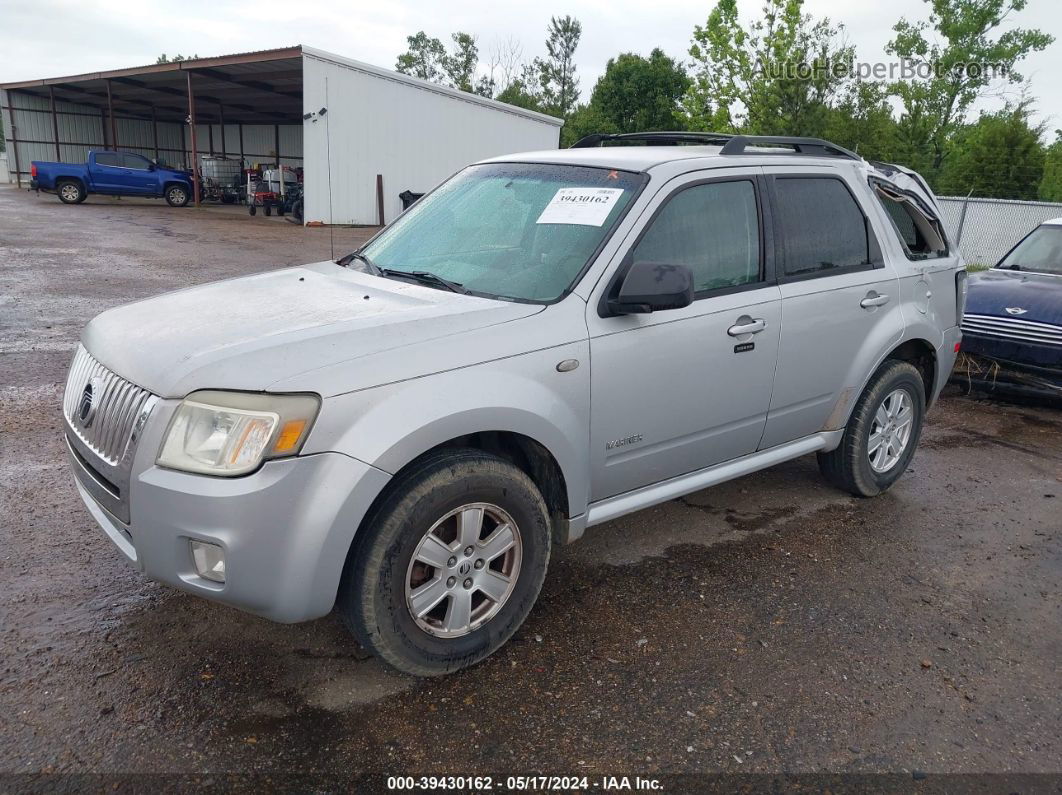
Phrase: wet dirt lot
pixel 770 624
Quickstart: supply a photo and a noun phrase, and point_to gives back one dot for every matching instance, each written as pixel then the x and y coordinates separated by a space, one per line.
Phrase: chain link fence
pixel 986 229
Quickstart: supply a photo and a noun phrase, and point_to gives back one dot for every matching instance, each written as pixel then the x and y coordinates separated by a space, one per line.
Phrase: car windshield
pixel 1040 252
pixel 517 231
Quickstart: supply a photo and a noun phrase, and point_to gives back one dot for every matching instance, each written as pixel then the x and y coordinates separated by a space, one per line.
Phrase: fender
pixel 396 423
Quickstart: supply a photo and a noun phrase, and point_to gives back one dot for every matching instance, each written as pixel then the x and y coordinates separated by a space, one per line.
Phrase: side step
pixel 628 502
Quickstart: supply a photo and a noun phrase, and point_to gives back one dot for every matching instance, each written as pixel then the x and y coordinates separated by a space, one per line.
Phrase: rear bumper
pixel 946 356
pixel 35 185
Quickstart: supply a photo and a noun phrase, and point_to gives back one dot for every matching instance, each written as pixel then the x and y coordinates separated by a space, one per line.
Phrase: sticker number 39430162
pixel 585 206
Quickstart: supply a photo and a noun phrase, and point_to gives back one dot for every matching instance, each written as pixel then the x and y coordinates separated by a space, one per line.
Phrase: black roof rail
pixel 661 138
pixel 814 147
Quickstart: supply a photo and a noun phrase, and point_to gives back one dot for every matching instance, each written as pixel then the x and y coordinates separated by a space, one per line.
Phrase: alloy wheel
pixel 891 430
pixel 464 570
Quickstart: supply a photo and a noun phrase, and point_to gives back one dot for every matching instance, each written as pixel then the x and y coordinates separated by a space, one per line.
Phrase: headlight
pixel 231 433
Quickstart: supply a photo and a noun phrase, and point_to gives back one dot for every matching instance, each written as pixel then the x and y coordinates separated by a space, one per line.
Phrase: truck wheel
pixel 296 210
pixel 269 209
pixel 882 433
pixel 448 566
pixel 252 210
pixel 176 196
pixel 70 192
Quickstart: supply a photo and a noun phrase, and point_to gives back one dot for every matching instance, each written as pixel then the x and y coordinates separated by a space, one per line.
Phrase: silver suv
pixel 543 343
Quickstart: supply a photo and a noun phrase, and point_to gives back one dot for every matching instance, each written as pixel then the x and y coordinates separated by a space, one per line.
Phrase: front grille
pixel 117 405
pixel 1012 328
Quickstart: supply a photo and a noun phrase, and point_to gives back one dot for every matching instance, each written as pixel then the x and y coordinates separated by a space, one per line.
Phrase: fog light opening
pixel 209 560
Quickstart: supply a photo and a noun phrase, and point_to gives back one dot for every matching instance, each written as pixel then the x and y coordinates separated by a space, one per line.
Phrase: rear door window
pixel 137 162
pixel 108 159
pixel 823 229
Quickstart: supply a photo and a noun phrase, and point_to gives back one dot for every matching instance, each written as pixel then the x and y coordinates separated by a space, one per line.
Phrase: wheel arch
pixel 525 452
pixel 917 350
pixel 79 181
pixel 923 356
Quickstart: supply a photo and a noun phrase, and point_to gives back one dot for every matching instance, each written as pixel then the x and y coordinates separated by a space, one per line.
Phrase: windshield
pixel 1040 252
pixel 521 231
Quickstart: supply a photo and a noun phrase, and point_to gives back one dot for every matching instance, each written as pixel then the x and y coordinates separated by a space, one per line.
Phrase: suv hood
pixel 252 332
pixel 993 291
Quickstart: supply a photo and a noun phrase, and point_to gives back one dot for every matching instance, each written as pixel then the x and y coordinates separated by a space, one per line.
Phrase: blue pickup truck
pixel 113 174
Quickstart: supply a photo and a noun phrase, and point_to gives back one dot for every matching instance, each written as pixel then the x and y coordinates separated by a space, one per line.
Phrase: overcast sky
pixel 50 38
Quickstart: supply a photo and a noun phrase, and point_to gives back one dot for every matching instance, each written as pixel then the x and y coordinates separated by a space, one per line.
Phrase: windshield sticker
pixel 584 206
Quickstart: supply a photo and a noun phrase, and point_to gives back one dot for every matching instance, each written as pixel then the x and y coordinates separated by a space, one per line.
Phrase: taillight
pixel 961 288
pixel 33 170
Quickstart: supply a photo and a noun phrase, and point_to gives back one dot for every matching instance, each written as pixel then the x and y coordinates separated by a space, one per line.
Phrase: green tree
pixel 425 58
pixel 1051 184
pixel 862 120
pixel 461 64
pixel 522 94
pixel 175 59
pixel 1000 156
pixel 777 74
pixel 560 86
pixel 638 93
pixel 955 55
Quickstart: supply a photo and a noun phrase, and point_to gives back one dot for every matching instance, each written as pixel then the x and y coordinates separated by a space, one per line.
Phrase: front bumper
pixel 285 529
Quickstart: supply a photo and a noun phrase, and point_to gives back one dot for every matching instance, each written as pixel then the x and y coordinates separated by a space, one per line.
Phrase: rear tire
pixel 882 433
pixel 296 210
pixel 70 191
pixel 459 508
pixel 268 209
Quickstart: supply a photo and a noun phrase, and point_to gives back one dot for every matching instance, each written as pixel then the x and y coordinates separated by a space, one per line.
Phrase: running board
pixel 628 502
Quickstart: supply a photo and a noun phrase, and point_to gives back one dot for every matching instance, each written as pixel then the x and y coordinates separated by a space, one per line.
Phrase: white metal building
pixel 361 134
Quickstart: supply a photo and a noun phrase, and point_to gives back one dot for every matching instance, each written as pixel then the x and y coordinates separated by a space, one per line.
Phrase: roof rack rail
pixel 662 138
pixel 814 147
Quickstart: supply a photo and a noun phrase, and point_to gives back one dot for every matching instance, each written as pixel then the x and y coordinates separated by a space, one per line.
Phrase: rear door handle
pixel 746 325
pixel 874 299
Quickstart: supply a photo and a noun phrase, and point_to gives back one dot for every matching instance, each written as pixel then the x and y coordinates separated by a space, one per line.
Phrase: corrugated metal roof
pixel 236 59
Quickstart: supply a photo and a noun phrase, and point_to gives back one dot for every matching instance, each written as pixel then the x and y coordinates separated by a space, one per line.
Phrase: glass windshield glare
pixel 1040 252
pixel 521 231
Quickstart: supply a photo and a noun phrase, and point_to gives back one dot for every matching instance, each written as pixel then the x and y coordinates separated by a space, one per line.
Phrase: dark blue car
pixel 1012 330
pixel 113 174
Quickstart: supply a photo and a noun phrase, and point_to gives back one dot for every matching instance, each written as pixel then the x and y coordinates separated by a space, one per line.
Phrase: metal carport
pixel 369 133
pixel 247 105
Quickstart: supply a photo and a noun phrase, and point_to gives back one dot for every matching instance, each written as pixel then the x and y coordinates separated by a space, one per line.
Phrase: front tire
pixel 882 433
pixel 176 196
pixel 70 192
pixel 449 565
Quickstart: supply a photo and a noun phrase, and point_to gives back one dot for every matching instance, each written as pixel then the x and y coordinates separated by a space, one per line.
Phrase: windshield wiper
pixel 425 277
pixel 374 269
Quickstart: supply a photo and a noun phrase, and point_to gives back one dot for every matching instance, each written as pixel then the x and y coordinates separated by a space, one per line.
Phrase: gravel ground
pixel 771 624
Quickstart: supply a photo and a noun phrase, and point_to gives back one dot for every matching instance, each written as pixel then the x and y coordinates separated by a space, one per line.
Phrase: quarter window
pixel 922 236
pixel 713 229
pixel 822 226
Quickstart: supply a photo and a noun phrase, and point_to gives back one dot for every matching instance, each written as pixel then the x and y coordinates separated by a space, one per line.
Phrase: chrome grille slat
pixel 1004 330
pixel 119 404
pixel 1012 329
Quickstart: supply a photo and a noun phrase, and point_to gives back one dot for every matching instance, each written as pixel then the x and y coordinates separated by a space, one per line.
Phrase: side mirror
pixel 652 287
pixel 152 166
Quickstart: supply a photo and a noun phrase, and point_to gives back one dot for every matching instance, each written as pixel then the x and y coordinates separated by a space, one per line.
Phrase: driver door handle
pixel 749 326
pixel 874 299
